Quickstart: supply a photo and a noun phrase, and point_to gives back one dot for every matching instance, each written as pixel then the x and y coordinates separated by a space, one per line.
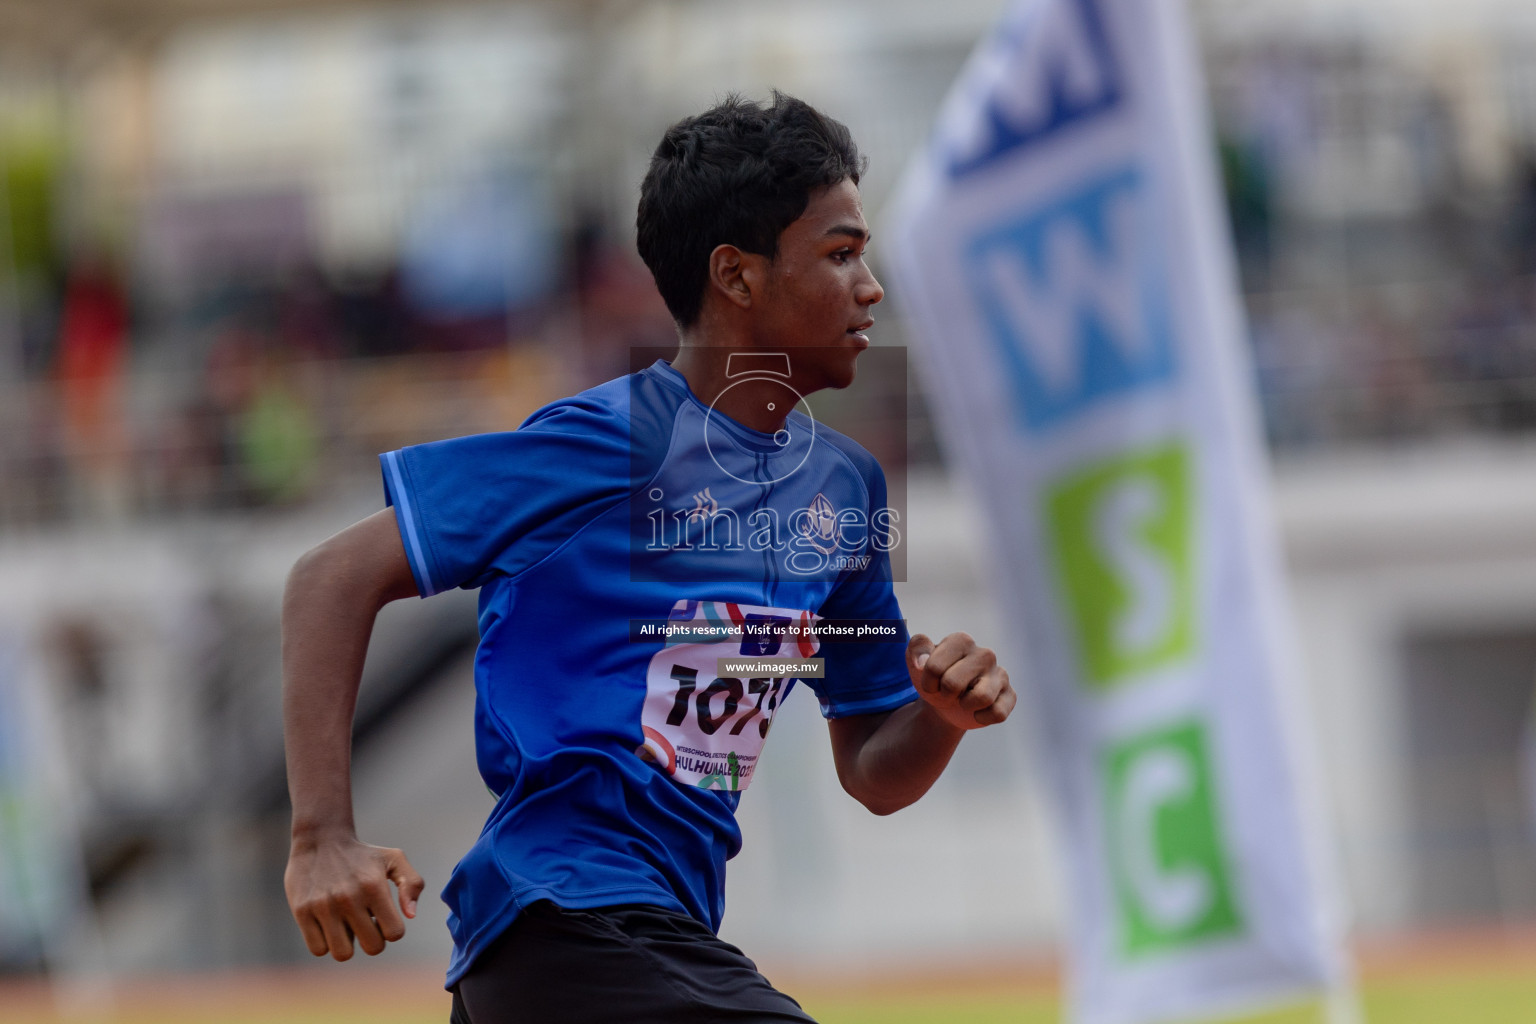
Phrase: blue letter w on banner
pixel 1054 70
pixel 1072 295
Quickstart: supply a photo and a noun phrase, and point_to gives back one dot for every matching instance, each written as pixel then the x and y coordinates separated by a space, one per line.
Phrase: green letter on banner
pixel 1172 883
pixel 1123 541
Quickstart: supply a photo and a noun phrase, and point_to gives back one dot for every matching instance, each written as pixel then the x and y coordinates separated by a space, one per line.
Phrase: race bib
pixel 704 727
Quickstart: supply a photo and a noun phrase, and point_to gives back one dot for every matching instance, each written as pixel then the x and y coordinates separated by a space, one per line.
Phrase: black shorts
pixel 615 965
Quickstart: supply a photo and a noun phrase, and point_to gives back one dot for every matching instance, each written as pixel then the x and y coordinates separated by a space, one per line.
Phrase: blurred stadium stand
pixel 245 246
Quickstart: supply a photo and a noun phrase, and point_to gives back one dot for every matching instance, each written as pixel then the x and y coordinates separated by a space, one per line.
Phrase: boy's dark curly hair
pixel 737 174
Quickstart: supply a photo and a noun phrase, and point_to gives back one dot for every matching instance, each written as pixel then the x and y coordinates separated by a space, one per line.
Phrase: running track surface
pixel 1479 976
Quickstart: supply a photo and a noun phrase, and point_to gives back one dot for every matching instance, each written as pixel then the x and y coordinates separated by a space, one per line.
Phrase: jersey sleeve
pixel 866 677
pixel 474 506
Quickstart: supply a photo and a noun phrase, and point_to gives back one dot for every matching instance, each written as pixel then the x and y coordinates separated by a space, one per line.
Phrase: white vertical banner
pixel 44 908
pixel 1061 253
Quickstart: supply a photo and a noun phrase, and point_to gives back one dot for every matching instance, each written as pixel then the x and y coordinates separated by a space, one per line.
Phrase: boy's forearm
pixel 332 597
pixel 325 641
pixel 887 761
pixel 899 758
pixel 337 887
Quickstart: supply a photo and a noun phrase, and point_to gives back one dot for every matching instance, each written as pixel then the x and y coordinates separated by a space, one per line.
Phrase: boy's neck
pixel 761 401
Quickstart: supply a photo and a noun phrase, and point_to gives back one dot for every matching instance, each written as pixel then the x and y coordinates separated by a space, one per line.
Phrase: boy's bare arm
pixel 887 761
pixel 338 887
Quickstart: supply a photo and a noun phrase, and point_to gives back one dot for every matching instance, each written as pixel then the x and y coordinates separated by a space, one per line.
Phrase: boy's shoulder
pixel 614 403
pixel 634 412
pixel 606 405
pixel 638 409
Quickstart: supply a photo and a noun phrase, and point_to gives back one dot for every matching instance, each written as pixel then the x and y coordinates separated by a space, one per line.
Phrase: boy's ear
pixel 737 276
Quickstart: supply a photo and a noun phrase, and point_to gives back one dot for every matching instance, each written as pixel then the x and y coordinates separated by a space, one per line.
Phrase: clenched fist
pixel 960 680
pixel 339 891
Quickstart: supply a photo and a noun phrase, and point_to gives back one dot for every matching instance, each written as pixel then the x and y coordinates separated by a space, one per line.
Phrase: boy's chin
pixel 827 373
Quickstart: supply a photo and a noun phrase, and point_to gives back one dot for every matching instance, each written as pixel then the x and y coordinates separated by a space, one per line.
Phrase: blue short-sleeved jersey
pixel 624 540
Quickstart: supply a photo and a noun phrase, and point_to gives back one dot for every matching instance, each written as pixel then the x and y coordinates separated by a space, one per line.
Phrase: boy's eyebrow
pixel 851 230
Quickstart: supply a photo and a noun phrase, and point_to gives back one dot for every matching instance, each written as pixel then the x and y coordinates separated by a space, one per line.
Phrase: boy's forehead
pixel 837 205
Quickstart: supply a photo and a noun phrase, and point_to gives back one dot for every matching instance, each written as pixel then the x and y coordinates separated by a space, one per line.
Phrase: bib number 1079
pixel 757 697
pixel 705 730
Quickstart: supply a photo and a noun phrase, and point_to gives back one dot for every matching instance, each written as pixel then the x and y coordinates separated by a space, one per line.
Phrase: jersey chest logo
pixel 819 526
pixel 704 724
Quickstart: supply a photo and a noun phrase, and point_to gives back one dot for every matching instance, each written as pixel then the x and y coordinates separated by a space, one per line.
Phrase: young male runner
pixel 648 554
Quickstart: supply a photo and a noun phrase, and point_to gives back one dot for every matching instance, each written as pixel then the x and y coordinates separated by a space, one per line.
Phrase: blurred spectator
pixel 1399 390
pixel 477 255
pixel 30 170
pixel 1522 219
pixel 1249 204
pixel 279 442
pixel 371 314
pixel 92 357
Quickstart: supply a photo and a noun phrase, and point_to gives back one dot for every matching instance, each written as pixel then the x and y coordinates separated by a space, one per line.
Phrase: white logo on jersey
pixel 704 505
pixel 819 528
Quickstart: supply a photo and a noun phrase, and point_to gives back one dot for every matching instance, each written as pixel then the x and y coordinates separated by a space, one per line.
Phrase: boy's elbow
pixel 323 574
pixel 311 568
pixel 306 564
pixel 875 802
